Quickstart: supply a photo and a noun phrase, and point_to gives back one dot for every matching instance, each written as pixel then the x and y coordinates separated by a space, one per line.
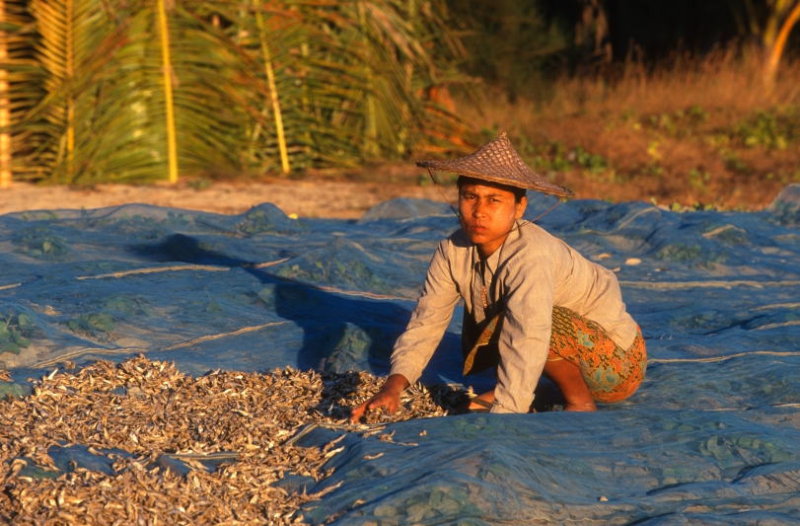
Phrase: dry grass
pixel 697 132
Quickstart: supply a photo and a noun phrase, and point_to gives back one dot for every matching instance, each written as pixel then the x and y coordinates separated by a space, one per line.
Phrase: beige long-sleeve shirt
pixel 530 273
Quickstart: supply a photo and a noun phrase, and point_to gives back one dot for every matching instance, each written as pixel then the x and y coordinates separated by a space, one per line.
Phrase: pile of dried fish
pixel 158 429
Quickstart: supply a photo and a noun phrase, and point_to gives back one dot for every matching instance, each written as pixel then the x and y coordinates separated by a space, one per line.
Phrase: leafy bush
pixel 16 331
pixel 770 129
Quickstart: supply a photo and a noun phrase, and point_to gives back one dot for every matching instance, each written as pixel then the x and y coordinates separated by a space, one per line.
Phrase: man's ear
pixel 520 208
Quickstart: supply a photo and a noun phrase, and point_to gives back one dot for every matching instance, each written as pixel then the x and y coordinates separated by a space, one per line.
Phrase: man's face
pixel 488 214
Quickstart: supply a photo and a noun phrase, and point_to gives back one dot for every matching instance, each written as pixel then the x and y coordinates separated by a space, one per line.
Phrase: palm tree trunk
pixel 273 92
pixel 408 84
pixel 70 103
pixel 166 64
pixel 371 126
pixel 5 109
pixel 775 51
pixel 305 100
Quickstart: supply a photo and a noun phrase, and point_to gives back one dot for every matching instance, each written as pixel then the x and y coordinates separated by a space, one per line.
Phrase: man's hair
pixel 519 193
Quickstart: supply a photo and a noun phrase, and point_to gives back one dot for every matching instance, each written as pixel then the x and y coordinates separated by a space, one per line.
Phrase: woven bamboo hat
pixel 497 161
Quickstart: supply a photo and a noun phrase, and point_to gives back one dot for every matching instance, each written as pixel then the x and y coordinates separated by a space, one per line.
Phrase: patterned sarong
pixel 612 373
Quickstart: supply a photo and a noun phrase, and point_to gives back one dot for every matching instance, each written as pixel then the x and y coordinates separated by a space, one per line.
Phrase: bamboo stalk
pixel 70 75
pixel 5 111
pixel 273 91
pixel 166 64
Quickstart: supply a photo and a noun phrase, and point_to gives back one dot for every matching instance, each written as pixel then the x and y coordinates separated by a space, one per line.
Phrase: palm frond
pixel 136 91
pixel 20 90
pixel 76 39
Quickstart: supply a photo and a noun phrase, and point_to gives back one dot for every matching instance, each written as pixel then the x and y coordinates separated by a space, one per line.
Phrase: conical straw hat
pixel 497 161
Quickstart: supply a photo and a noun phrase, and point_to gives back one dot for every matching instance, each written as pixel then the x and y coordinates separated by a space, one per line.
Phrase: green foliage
pixel 200 184
pixel 556 157
pixel 95 324
pixel 770 129
pixel 680 253
pixel 699 178
pixel 588 161
pixel 24 83
pixel 437 505
pixel 41 243
pixel 253 85
pixel 690 254
pixel 679 123
pixel 512 44
pixel 127 305
pixel 733 162
pixel 16 331
pixel 337 270
pixel 730 449
pixel 94 121
pixel 705 322
pixel 258 221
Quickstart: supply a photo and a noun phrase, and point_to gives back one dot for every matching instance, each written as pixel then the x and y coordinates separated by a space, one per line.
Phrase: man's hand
pixel 388 398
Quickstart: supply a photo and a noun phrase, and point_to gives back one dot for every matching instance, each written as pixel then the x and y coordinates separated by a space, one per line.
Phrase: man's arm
pixel 413 350
pixel 416 345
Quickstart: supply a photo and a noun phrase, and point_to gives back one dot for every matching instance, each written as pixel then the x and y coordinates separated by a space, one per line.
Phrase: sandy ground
pixel 335 199
pixel 313 197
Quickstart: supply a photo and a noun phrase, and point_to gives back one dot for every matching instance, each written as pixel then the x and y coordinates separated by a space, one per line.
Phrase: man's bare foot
pixel 567 376
pixel 584 406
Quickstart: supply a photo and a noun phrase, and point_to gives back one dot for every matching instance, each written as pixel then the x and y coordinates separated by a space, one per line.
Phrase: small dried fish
pixel 200 450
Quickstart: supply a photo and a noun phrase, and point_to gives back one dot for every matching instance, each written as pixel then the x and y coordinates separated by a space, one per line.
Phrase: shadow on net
pixel 340 332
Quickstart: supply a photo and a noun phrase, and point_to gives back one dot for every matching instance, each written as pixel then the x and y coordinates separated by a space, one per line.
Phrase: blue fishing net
pixel 711 437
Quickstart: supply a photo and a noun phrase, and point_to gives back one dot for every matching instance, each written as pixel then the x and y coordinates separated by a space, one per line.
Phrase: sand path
pixel 335 199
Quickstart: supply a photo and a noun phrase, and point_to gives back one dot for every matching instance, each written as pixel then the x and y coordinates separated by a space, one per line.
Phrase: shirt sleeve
pixel 525 336
pixel 430 319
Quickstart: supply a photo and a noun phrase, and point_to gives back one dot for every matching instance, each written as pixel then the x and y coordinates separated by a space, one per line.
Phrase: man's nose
pixel 479 208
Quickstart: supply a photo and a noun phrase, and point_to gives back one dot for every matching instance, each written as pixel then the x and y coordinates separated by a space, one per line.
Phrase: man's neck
pixel 486 252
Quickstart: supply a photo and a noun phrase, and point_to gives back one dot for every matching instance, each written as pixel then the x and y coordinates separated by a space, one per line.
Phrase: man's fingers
pixel 357 413
pixel 378 402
